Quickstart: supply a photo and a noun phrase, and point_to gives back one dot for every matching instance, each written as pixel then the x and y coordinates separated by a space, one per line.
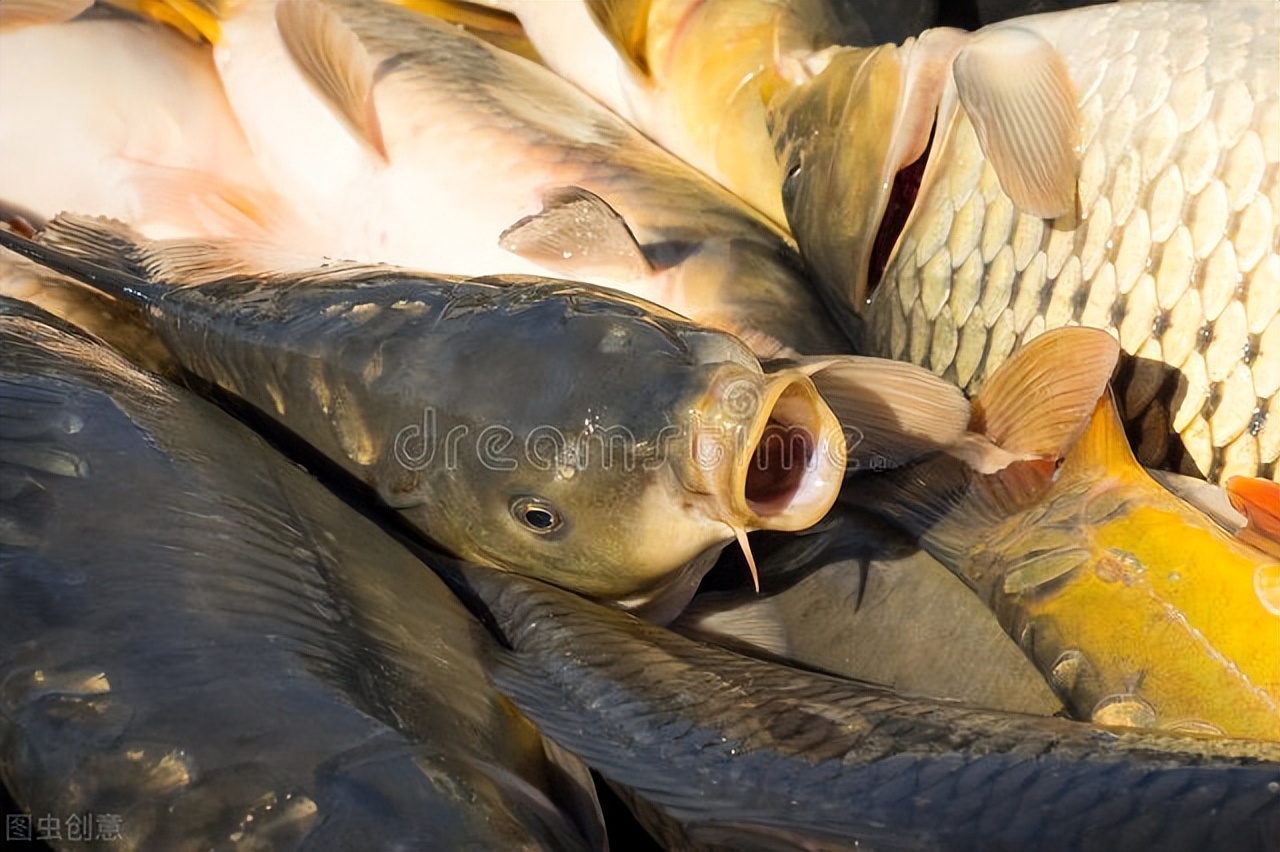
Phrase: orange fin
pixel 334 61
pixel 1017 91
pixel 1259 500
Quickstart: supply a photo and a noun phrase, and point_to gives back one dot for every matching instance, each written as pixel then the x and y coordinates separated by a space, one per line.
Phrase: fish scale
pixel 1175 250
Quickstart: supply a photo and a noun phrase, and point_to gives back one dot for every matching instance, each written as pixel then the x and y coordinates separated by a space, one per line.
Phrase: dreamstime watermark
pixel 497 447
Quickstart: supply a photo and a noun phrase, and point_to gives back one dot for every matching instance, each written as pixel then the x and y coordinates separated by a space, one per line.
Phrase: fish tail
pixel 117 267
pixel 1033 412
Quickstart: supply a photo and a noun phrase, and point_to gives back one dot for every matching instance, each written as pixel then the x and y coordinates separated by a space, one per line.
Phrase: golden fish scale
pixel 1176 247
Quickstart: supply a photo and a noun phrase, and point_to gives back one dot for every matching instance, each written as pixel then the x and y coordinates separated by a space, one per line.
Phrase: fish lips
pixel 765 450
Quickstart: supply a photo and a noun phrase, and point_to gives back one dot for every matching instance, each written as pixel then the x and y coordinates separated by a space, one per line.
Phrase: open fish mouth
pixel 768 453
pixel 790 475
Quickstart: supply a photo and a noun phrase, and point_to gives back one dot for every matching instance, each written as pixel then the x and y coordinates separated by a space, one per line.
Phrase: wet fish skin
pixel 122 326
pixel 197 637
pixel 456 143
pixel 856 598
pixel 1174 251
pixel 1137 607
pixel 754 755
pixel 642 423
pixel 695 76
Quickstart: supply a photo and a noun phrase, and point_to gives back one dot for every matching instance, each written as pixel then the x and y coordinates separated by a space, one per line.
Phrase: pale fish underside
pixel 1174 249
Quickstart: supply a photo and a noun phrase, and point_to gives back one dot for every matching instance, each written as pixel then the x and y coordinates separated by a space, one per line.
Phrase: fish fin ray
pixel 750 622
pixel 334 61
pixel 1018 93
pixel 205 203
pixel 1040 400
pixel 101 253
pixel 577 233
pixel 15 14
pixel 1259 500
pixel 892 412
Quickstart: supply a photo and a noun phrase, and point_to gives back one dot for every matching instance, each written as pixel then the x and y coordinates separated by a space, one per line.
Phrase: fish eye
pixel 536 515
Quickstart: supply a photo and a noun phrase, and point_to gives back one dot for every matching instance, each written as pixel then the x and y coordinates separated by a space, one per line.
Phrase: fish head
pixel 843 136
pixel 627 449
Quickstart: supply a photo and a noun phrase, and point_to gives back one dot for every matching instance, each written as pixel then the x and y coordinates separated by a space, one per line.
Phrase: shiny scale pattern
pixel 1174 250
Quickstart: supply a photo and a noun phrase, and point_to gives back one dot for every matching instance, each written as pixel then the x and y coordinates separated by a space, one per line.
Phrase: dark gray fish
pixel 854 598
pixel 204 646
pixel 751 755
pixel 574 433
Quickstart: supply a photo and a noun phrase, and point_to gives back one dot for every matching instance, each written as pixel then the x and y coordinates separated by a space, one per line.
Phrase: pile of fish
pixel 685 424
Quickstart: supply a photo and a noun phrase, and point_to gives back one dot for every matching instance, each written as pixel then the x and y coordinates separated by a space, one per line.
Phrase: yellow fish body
pixel 1138 609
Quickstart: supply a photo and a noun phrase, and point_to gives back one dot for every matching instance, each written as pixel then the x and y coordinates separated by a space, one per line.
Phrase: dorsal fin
pixel 1017 91
pixel 334 61
pixel 577 234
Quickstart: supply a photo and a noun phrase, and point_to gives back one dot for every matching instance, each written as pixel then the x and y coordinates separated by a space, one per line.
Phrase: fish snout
pixel 769 450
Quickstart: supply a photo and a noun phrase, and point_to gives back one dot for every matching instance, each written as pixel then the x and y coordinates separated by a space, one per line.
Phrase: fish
pixel 695 76
pixel 402 139
pixel 120 325
pixel 1138 608
pixel 128 120
pixel 201 645
pixel 854 597
pixel 741 753
pixel 1143 203
pixel 528 424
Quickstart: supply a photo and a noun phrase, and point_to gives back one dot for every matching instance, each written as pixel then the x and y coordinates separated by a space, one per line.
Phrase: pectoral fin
pixel 892 412
pixel 333 60
pixel 1048 402
pixel 577 234
pixel 1040 400
pixel 1017 91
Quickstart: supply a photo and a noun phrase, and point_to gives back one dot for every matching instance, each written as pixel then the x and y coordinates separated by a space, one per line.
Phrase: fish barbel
pixel 405 140
pixel 1138 608
pixel 1113 166
pixel 200 639
pixel 531 424
pixel 745 754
